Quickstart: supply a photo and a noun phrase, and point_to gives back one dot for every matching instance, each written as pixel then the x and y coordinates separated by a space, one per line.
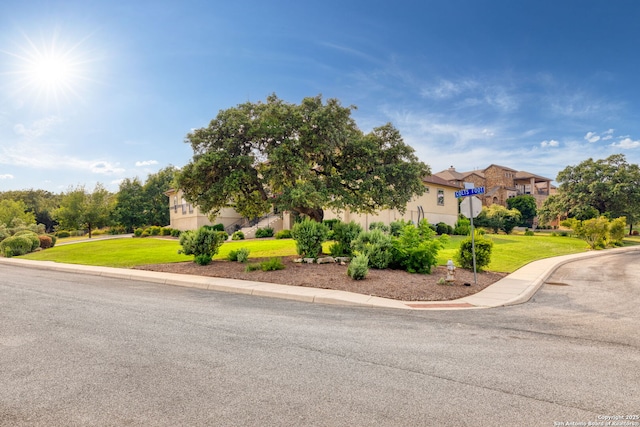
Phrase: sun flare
pixel 49 71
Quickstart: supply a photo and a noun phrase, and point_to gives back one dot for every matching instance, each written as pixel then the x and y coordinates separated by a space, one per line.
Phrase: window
pixel 426 189
pixel 440 197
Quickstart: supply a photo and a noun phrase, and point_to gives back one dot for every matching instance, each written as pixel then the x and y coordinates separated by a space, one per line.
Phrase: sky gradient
pixel 99 91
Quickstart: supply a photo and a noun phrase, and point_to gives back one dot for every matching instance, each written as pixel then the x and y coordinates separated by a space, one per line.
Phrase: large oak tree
pixel 302 158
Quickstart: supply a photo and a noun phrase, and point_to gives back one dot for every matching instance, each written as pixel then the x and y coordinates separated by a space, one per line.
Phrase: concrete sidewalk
pixel 515 288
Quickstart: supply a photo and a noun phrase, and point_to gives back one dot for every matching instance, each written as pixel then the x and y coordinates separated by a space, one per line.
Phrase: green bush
pixel 464 256
pixel 175 232
pixel 463 227
pixel 237 235
pixel 203 241
pixel 16 246
pixel 375 245
pixel 271 264
pixel 379 226
pixel 33 238
pixel 165 231
pixel 63 233
pixel 358 267
pixel 442 228
pixel 344 234
pixel 283 234
pixel 138 232
pixel 215 227
pixel 119 229
pixel 239 255
pixel 309 236
pixel 264 232
pixel 416 248
pixel 202 259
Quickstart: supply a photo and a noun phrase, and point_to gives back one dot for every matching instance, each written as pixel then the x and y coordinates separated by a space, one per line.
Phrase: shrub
pixel 377 246
pixel 119 229
pixel 215 227
pixel 63 233
pixel 165 231
pixel 617 229
pixel 202 259
pixel 264 232
pixel 239 255
pixel 98 232
pixel 53 238
pixel 344 234
pixel 283 234
pixel 175 232
pixel 145 233
pixel 358 267
pixel 416 250
pixel 528 232
pixel 309 236
pixel 463 227
pixel 379 226
pixel 442 228
pixel 138 232
pixel 464 256
pixel 237 235
pixel 203 241
pixel 16 246
pixel 45 241
pixel 269 265
pixel 33 238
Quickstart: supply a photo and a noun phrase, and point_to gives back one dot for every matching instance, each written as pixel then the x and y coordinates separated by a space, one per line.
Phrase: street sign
pixel 469 192
pixel 471 207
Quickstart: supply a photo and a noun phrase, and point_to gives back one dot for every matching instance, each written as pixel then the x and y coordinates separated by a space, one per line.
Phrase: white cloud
pixel 626 143
pixel 550 143
pixel 147 163
pixel 105 168
pixel 447 89
pixel 6 176
pixel 592 137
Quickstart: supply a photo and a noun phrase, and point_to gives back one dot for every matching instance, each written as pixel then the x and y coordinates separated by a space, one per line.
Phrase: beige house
pixel 437 204
pixel 501 183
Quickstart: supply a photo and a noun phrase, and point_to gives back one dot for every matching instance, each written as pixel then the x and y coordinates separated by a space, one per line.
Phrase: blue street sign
pixel 470 192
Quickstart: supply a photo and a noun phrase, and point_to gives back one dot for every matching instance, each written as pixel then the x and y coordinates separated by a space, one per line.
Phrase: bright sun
pixel 50 71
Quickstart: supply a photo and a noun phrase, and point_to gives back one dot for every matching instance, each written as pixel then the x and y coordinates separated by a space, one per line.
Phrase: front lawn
pixel 509 252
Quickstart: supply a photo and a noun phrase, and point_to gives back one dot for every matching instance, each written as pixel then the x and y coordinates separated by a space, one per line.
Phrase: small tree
pixel 526 205
pixel 203 243
pixel 344 234
pixel 309 236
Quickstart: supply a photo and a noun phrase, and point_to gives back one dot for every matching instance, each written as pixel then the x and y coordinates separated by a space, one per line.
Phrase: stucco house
pixel 437 204
pixel 501 183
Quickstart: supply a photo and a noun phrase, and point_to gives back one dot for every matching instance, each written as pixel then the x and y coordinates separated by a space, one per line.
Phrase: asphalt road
pixel 91 351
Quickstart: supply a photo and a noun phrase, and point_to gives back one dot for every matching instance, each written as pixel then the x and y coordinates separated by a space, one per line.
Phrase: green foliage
pixel 379 225
pixel 309 236
pixel 344 234
pixel 202 241
pixel 33 238
pixel 237 235
pixel 358 267
pixel 11 210
pixel 498 218
pixel 442 228
pixel 598 232
pixel 215 227
pixel 272 264
pixel 463 226
pixel 416 250
pixel 202 259
pixel 264 232
pixel 64 233
pixel 175 232
pixel 283 234
pixel 138 232
pixel 16 245
pixel 239 255
pixel 464 256
pixel 528 233
pixel 80 209
pixel 526 205
pixel 376 246
pixel 299 158
pixel 131 206
pixel 154 230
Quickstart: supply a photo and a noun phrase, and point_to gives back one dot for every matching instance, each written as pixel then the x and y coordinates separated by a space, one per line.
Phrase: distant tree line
pixel 135 204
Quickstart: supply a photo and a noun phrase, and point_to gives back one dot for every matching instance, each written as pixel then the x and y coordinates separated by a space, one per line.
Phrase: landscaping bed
pixel 393 284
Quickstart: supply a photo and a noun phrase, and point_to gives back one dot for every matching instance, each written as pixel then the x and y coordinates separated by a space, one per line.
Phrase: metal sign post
pixel 471 213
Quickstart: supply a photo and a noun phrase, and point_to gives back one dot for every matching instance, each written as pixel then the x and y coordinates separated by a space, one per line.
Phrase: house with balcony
pixel 501 183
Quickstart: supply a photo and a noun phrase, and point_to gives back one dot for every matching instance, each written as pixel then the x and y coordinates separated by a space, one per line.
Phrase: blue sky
pixel 98 91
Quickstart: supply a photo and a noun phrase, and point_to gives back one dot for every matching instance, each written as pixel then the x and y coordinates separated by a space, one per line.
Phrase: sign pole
pixel 473 244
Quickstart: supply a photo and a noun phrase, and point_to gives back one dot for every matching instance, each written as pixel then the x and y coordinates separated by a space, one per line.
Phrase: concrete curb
pixel 516 288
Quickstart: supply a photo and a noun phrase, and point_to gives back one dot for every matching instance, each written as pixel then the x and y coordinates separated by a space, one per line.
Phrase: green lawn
pixel 509 252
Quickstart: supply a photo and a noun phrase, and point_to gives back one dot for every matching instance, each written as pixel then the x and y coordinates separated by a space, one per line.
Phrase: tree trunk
pixel 315 214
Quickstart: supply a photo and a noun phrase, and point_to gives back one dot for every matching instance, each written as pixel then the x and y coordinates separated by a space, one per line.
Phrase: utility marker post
pixel 471 208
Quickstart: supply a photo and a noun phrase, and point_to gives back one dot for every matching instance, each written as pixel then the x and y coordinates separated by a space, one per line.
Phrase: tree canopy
pixel 302 158
pixel 526 205
pixel 80 209
pixel 609 187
